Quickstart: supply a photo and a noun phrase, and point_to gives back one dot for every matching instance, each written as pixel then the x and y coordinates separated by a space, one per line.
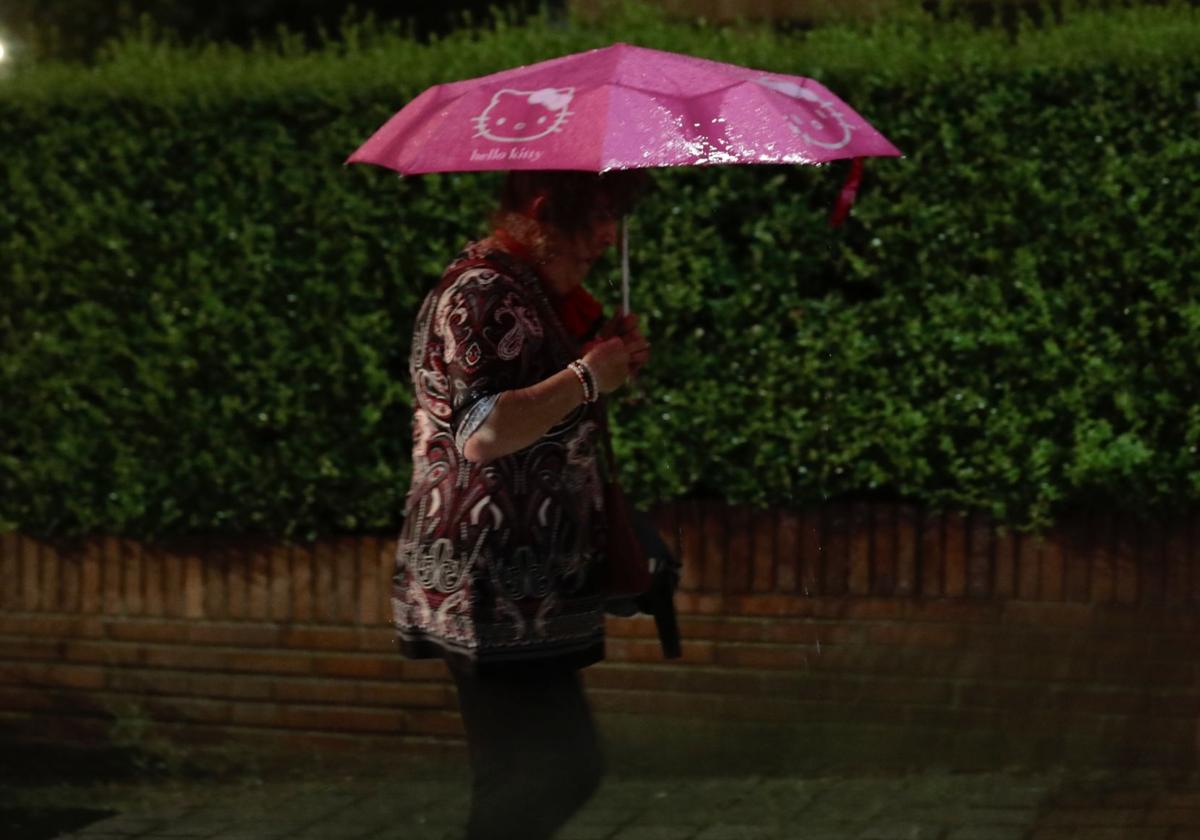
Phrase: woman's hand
pixel 624 326
pixel 609 363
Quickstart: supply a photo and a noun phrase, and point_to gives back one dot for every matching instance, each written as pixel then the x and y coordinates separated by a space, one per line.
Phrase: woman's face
pixel 572 257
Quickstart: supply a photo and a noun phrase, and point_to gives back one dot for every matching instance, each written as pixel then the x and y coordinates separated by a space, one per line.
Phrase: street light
pixel 3 52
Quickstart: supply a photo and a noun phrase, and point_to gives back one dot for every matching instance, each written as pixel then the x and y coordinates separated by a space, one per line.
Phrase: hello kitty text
pixel 531 155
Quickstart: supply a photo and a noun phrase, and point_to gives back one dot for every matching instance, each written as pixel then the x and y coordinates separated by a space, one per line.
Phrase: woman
pixel 499 560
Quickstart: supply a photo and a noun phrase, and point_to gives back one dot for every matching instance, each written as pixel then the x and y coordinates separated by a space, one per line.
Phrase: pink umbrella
pixel 624 107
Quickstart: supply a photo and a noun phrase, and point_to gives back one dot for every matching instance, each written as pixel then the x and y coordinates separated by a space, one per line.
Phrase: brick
pixel 107 653
pixel 812 552
pixel 173 588
pixel 236 634
pixel 738 569
pixel 279 583
pixel 1041 614
pixel 1193 558
pixel 432 722
pixel 357 666
pixel 1077 542
pixel 691 546
pixel 916 635
pixel 237 570
pixel 1004 544
pixel 883 535
pixel 859 560
pixel 188 684
pixel 174 656
pixel 1177 571
pixel 639 627
pixel 69 563
pixel 215 565
pixel 907 544
pixel 1153 566
pixel 954 553
pixel 342 719
pixel 798 631
pixel 761 656
pixel 648 650
pixel 49 627
pixel 1051 586
pixel 835 558
pixel 765 605
pixel 126 630
pixel 696 603
pixel 10 571
pixel 272 662
pixel 302 580
pixel 715 547
pixel 369 582
pixel 30 583
pixel 320 637
pixel 345 565
pixel 325 583
pixel 387 570
pixel 422 669
pixel 50 675
pixel 310 691
pixel 186 709
pixel 1103 561
pixel 1029 566
pixel 978 613
pixel 133 577
pixel 931 579
pixel 762 529
pixel 787 551
pixel 664 517
pixel 860 609
pixel 980 551
pixel 112 565
pixel 377 640
pixel 193 586
pixel 90 578
pixel 256 714
pixel 405 695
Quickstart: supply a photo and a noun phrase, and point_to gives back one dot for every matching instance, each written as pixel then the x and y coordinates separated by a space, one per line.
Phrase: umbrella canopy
pixel 621 107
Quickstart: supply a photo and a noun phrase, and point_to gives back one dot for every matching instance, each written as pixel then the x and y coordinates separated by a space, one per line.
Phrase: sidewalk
pixel 1049 805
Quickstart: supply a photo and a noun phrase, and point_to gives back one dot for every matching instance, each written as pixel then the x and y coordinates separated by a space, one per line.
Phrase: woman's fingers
pixel 635 343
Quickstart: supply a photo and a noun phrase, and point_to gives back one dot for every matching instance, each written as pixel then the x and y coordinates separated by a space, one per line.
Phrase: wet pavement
pixel 1010 805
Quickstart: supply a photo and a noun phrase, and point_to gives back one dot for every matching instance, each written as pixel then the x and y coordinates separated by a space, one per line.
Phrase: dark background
pixel 75 29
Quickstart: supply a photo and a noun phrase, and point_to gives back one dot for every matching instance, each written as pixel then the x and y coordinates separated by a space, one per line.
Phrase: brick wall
pixel 860 633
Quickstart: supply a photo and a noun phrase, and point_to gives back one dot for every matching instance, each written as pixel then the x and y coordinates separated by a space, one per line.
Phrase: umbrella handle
pixel 625 263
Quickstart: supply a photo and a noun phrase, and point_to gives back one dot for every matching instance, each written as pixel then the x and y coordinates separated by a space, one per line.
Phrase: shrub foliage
pixel 205 316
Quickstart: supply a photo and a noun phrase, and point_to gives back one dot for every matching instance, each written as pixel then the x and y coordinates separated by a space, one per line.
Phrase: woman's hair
pixel 572 198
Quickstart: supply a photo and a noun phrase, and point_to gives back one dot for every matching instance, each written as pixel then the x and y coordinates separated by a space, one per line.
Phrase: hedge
pixel 205 316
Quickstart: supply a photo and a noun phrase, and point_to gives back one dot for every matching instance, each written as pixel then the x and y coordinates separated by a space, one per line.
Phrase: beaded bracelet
pixel 586 379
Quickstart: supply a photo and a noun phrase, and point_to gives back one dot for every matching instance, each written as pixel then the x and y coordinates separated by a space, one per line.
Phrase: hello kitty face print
pixel 821 124
pixel 518 116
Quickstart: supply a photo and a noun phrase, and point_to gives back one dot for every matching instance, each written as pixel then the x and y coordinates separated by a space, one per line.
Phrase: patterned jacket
pixel 497 563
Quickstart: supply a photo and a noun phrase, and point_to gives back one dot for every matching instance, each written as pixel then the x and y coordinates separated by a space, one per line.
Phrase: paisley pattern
pixel 496 562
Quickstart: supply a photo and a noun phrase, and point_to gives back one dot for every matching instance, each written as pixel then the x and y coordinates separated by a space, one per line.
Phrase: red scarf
pixel 579 312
